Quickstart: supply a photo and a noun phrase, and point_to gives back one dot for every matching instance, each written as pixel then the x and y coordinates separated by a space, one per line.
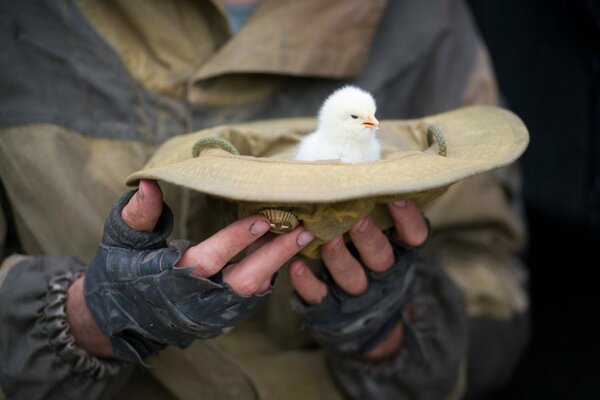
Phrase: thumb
pixel 144 208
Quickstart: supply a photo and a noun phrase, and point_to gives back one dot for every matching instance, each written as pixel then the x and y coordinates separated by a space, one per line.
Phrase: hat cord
pixel 435 133
pixel 213 141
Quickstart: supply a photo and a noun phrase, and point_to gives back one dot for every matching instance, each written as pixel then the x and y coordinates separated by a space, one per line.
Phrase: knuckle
pixel 332 258
pixel 130 213
pixel 356 284
pixel 382 263
pixel 384 257
pixel 376 252
pixel 264 286
pixel 209 266
pixel 416 238
pixel 377 257
pixel 207 270
pixel 314 298
pixel 206 263
pixel 245 287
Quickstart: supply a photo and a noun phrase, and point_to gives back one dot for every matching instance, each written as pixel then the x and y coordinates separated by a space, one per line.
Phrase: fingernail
pixel 259 228
pixel 141 190
pixel 400 203
pixel 299 271
pixel 364 225
pixel 304 238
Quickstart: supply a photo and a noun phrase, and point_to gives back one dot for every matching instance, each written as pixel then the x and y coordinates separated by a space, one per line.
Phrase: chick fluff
pixel 346 131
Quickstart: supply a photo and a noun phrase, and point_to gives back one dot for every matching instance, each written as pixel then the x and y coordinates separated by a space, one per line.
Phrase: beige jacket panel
pixel 170 49
pixel 61 185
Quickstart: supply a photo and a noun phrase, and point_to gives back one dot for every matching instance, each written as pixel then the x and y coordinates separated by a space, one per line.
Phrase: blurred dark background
pixel 547 59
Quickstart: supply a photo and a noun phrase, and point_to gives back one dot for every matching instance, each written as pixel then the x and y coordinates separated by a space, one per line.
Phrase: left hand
pixel 375 253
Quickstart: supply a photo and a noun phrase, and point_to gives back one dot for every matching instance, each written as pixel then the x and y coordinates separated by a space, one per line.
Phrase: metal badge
pixel 282 221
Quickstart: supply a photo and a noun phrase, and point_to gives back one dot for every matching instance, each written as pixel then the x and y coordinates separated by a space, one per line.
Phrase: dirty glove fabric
pixel 355 324
pixel 429 361
pixel 143 303
pixel 440 322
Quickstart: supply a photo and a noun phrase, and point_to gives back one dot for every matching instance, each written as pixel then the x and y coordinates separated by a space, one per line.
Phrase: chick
pixel 346 131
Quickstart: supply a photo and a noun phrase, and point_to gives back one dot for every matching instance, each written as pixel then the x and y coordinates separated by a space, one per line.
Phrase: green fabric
pixel 329 220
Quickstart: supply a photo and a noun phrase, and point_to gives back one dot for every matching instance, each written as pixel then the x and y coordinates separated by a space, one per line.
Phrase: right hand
pixel 142 294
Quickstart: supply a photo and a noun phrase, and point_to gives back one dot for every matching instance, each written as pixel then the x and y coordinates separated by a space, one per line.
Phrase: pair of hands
pixel 266 254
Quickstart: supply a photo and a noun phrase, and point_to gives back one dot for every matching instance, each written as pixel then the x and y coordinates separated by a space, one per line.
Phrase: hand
pixel 181 275
pixel 141 213
pixel 374 253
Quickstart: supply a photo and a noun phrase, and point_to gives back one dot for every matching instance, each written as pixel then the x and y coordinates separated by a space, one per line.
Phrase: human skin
pixel 265 256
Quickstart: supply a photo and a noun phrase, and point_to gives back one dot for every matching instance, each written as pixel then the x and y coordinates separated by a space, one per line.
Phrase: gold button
pixel 282 221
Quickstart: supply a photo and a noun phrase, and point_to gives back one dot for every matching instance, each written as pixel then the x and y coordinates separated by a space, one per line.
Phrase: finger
pixel 346 271
pixel 373 246
pixel 250 274
pixel 409 222
pixel 211 255
pixel 310 288
pixel 258 243
pixel 264 286
pixel 144 208
pixel 261 289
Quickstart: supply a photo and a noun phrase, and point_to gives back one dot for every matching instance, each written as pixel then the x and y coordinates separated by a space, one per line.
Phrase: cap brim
pixel 478 139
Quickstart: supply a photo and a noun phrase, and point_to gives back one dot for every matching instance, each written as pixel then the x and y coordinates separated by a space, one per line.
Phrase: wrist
pixel 83 327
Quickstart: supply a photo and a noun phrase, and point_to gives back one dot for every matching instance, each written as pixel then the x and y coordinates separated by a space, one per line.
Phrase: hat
pixel 253 165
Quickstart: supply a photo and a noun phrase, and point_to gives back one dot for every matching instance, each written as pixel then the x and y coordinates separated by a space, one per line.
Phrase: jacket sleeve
pixel 38 357
pixel 479 246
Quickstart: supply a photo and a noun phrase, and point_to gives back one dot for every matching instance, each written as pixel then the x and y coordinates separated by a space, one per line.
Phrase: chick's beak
pixel 371 123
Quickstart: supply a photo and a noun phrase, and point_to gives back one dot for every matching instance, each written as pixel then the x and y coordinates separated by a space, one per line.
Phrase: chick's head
pixel 349 111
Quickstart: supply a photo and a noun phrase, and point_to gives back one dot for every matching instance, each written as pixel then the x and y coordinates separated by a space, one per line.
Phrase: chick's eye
pixel 354 116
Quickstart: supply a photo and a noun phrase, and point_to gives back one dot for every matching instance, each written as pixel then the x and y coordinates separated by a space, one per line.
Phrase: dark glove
pixel 143 303
pixel 355 324
pixel 439 320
